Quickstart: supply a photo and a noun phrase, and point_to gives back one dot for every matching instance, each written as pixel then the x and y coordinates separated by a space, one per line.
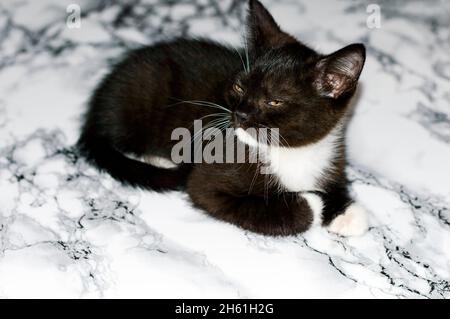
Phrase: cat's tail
pixel 100 153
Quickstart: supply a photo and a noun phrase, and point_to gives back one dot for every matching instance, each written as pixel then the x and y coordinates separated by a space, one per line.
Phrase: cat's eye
pixel 275 103
pixel 238 88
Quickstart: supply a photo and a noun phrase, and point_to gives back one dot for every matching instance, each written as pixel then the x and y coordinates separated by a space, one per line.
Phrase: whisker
pixel 208 105
pixel 283 142
pixel 266 190
pixel 211 103
pixel 214 114
pixel 246 53
pixel 242 60
pixel 254 178
pixel 201 103
pixel 198 104
pixel 208 125
pixel 217 124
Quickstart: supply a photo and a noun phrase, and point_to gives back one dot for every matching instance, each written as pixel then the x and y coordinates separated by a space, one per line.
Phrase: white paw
pixel 353 222
pixel 316 205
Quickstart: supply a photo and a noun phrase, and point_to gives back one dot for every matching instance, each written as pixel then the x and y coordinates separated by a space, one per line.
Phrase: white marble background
pixel 68 231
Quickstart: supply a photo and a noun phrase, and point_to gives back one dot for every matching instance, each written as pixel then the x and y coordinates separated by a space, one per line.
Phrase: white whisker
pixel 200 103
pixel 242 61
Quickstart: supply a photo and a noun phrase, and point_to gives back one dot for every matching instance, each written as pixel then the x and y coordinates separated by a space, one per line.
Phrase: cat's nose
pixel 241 116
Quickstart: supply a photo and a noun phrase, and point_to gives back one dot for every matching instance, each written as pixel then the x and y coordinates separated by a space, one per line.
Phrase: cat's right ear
pixel 263 32
pixel 339 72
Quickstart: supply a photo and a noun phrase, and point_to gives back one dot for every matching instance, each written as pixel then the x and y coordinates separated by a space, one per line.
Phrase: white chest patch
pixel 299 168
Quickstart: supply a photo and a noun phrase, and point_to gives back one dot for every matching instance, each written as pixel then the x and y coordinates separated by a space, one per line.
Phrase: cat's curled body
pixel 283 84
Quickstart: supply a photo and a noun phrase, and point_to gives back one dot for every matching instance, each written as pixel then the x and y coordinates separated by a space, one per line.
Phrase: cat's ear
pixel 339 72
pixel 263 32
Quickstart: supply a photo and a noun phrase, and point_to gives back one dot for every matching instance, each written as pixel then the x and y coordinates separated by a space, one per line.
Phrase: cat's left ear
pixel 338 73
pixel 263 32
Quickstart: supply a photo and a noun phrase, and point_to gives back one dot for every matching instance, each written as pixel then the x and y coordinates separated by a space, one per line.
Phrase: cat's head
pixel 290 86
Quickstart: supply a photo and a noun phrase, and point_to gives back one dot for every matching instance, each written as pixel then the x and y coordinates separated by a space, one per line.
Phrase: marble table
pixel 68 231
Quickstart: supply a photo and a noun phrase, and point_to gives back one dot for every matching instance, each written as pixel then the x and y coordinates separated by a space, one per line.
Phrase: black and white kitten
pixel 284 85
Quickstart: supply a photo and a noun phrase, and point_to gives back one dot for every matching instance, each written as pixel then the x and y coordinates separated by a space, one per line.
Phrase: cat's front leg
pixel 341 215
pixel 280 214
pixel 277 215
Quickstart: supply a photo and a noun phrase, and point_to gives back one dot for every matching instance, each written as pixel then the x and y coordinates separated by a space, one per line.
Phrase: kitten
pixel 277 83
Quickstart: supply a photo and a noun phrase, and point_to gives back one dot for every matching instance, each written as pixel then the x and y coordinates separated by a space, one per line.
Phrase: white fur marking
pixel 159 162
pixel 156 161
pixel 246 138
pixel 316 205
pixel 353 222
pixel 300 168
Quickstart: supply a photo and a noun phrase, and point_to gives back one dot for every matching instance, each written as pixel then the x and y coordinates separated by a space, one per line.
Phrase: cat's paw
pixel 353 222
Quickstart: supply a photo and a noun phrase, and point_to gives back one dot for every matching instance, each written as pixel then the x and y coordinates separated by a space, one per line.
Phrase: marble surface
pixel 68 231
